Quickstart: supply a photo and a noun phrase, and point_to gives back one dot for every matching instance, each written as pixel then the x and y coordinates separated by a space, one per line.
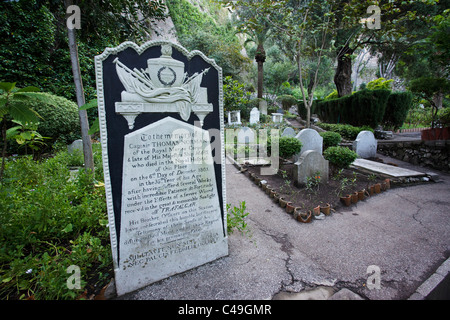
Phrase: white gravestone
pixel 309 164
pixel 171 219
pixel 246 135
pixel 254 116
pixel 165 195
pixel 365 145
pixel 288 132
pixel 311 140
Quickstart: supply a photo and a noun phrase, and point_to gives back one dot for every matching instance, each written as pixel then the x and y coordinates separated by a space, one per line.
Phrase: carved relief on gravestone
pixel 164 170
pixel 162 87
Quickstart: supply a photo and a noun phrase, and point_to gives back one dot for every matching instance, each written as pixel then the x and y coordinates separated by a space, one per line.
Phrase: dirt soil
pixel 306 199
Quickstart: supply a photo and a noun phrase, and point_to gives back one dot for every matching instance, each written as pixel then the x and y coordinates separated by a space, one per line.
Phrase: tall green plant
pixel 12 107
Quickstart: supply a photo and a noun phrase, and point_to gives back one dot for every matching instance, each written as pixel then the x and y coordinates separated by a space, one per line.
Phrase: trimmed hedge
pixel 365 107
pixel 60 120
pixel 397 109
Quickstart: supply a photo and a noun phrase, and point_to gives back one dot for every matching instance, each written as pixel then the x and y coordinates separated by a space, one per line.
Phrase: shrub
pixel 365 107
pixel 289 146
pixel 287 101
pixel 345 130
pixel 49 221
pixel 330 139
pixel 380 83
pixel 341 157
pixel 60 121
pixel 444 117
pixel 397 109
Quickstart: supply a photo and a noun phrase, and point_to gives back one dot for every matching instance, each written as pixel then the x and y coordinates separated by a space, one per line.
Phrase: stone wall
pixel 433 154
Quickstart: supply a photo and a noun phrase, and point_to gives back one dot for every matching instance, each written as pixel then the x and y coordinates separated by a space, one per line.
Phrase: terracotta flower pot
pixel 272 193
pixel 371 190
pixel 303 217
pixel 268 189
pixel 290 208
pixel 388 183
pixel 378 188
pixel 361 194
pixel 346 200
pixel 354 196
pixel 257 180
pixel 326 210
pixel 276 198
pixel 316 210
pixel 283 202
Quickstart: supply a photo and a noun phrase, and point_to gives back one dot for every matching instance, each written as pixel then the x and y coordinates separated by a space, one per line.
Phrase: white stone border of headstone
pixel 99 59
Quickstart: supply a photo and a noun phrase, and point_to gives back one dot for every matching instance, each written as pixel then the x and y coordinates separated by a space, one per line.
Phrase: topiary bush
pixel 397 108
pixel 330 139
pixel 60 120
pixel 341 157
pixel 289 146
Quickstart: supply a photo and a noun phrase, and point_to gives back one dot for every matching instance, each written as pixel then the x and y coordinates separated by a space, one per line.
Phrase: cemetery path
pixel 403 232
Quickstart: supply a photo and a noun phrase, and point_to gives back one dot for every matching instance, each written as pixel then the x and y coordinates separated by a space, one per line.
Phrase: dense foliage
pixel 341 157
pixel 365 107
pixel 51 219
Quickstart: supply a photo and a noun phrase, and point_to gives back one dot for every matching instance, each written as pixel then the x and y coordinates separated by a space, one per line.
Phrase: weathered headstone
pixel 76 145
pixel 263 106
pixel 246 135
pixel 311 140
pixel 309 164
pixel 288 132
pixel 158 106
pixel 254 116
pixel 365 145
pixel 234 117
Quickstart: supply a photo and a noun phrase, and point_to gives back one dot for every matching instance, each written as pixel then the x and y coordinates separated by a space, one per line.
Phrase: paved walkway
pixel 404 232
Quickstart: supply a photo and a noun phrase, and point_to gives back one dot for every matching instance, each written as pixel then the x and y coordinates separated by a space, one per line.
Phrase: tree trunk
pixel 2 169
pixel 260 58
pixel 84 123
pixel 260 79
pixel 343 75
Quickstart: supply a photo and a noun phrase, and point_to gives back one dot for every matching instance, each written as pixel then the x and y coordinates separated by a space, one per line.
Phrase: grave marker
pixel 311 140
pixel 288 132
pixel 254 116
pixel 310 163
pixel 365 145
pixel 159 107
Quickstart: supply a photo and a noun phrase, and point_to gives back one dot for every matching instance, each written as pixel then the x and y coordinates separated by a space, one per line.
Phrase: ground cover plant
pixel 52 219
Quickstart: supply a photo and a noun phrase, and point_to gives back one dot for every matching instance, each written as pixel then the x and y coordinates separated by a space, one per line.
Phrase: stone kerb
pixel 365 145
